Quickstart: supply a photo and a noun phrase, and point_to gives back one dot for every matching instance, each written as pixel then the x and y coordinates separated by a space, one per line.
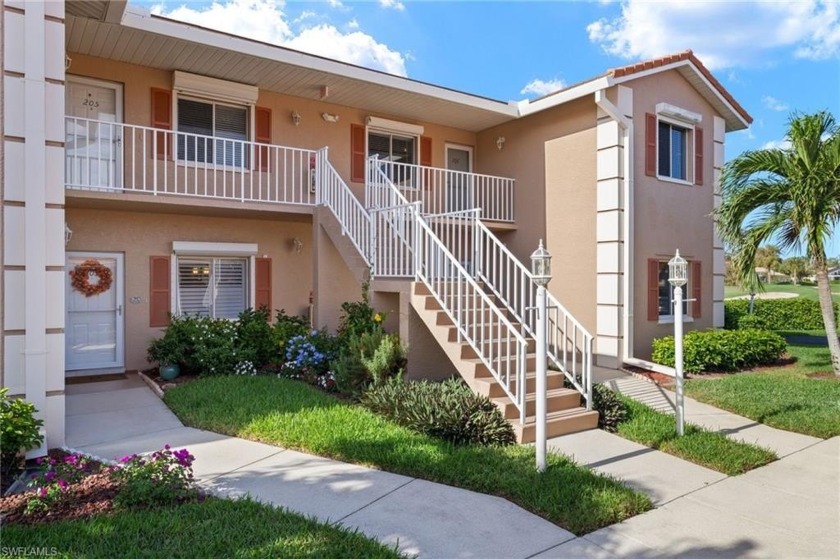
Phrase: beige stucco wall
pixel 552 157
pixel 670 216
pixel 141 235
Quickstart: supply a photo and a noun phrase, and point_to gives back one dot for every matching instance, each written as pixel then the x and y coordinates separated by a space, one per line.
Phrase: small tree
pixel 797 267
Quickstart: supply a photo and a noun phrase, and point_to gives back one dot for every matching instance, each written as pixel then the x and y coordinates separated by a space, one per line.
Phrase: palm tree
pixel 790 195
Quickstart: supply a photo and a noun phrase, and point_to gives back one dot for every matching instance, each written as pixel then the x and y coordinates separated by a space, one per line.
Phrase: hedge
pixel 721 350
pixel 796 313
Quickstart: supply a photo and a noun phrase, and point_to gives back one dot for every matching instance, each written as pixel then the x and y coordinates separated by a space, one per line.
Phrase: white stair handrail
pixel 569 343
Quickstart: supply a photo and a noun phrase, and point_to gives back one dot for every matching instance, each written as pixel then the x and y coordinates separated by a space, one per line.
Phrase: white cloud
pixel 393 4
pixel 266 20
pixel 353 24
pixel 722 34
pixel 335 3
pixel 774 104
pixel 539 87
pixel 776 144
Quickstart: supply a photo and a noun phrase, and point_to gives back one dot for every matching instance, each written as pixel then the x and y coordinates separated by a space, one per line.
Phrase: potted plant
pixel 168 353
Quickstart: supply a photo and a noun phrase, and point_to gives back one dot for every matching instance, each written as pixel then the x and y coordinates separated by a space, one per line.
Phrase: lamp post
pixel 677 277
pixel 541 272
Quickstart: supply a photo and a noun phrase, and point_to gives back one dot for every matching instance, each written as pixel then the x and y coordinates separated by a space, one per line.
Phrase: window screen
pixel 214 287
pixel 200 122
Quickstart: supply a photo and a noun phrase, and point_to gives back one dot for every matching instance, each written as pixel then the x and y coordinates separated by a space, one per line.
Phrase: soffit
pixel 116 42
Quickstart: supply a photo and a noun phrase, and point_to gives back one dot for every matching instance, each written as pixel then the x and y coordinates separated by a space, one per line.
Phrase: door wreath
pixel 84 272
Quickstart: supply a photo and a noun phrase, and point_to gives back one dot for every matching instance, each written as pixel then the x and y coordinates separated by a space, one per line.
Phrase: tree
pixel 797 267
pixel 768 257
pixel 791 196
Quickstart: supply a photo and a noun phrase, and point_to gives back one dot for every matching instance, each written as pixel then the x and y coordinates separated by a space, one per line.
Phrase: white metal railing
pixel 110 156
pixel 569 344
pixel 442 190
pixel 479 322
pixel 393 251
pixel 334 193
pixel 456 230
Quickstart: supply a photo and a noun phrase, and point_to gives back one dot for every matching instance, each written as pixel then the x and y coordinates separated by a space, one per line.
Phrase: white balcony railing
pixel 115 157
pixel 441 190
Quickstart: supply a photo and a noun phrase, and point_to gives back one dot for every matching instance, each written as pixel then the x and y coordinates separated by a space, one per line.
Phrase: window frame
pixel 198 250
pixel 250 132
pixel 690 149
pixel 688 315
pixel 412 182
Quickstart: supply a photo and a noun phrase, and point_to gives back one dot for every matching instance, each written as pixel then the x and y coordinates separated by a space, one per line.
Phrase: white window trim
pixel 214 250
pixel 394 132
pixel 691 148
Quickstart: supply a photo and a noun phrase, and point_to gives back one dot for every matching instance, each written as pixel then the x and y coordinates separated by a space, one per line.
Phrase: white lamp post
pixel 678 276
pixel 541 272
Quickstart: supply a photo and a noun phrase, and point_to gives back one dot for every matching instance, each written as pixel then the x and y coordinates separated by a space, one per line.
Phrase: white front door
pixel 93 142
pixel 94 323
pixel 459 184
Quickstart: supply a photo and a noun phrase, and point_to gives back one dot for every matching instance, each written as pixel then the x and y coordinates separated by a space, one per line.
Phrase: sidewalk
pixel 786 509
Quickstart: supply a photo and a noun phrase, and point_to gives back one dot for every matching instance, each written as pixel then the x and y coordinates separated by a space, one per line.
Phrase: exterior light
pixel 500 142
pixel 677 270
pixel 68 234
pixel 541 265
pixel 296 118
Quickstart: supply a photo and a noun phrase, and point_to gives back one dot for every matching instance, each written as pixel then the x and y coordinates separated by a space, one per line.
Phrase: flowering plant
pixel 163 478
pixel 54 479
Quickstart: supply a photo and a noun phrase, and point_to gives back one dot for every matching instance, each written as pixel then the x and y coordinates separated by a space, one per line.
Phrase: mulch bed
pixel 93 495
pixel 666 381
pixel 167 384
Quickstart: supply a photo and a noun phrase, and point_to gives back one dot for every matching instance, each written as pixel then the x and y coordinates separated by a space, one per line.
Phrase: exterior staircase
pixel 473 295
pixel 565 412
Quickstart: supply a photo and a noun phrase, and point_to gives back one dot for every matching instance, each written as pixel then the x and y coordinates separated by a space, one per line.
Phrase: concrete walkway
pixel 786 509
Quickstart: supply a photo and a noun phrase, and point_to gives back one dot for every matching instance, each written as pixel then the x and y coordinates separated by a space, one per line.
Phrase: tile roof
pixel 679 57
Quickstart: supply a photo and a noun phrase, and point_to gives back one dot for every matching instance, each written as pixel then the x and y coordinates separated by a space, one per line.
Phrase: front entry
pixel 459 182
pixel 94 331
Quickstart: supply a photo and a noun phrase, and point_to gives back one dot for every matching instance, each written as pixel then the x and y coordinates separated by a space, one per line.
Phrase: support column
pixel 718 269
pixel 610 232
pixel 33 210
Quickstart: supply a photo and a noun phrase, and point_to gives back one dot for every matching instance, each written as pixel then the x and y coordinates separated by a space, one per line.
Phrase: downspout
pixel 626 125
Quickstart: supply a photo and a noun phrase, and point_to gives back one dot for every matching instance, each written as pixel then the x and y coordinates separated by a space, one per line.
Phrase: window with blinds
pixel 212 133
pixel 213 287
pixel 396 148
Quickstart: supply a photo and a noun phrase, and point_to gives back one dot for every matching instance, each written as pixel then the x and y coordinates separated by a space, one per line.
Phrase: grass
pixel 807 291
pixel 294 415
pixel 706 448
pixel 215 528
pixel 782 397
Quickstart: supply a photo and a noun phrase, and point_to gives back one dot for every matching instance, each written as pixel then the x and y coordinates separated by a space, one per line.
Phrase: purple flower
pixel 49 476
pixel 62 484
pixel 166 447
pixel 42 492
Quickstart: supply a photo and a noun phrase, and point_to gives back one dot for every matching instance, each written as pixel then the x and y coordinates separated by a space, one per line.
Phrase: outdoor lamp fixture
pixel 541 272
pixel 68 234
pixel 500 142
pixel 297 244
pixel 296 118
pixel 329 117
pixel 677 277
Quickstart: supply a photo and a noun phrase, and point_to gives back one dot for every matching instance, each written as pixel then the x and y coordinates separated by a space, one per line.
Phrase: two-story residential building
pixel 154 167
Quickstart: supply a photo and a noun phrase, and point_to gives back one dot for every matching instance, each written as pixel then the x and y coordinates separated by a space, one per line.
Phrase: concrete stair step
pixel 486 384
pixel 557 399
pixel 557 423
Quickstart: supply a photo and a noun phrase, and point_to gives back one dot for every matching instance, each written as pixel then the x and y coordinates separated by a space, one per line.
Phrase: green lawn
pixel 706 448
pixel 215 528
pixel 783 397
pixel 294 415
pixel 807 291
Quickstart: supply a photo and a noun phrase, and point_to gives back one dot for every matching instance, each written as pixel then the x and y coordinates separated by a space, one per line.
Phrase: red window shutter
pixel 425 151
pixel 263 283
pixel 650 145
pixel 357 153
pixel 696 289
pixel 162 118
pixel 698 156
pixel 159 290
pixel 426 159
pixel 262 134
pixel 653 289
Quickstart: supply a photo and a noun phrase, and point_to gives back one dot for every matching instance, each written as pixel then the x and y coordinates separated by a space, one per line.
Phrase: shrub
pixel 797 313
pixel 287 327
pixel 448 410
pixel 367 360
pixel 255 337
pixel 164 478
pixel 611 410
pixel 359 317
pixel 19 431
pixel 54 479
pixel 721 350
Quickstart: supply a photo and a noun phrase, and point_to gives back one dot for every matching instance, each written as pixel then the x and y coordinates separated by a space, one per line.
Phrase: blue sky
pixel 774 57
